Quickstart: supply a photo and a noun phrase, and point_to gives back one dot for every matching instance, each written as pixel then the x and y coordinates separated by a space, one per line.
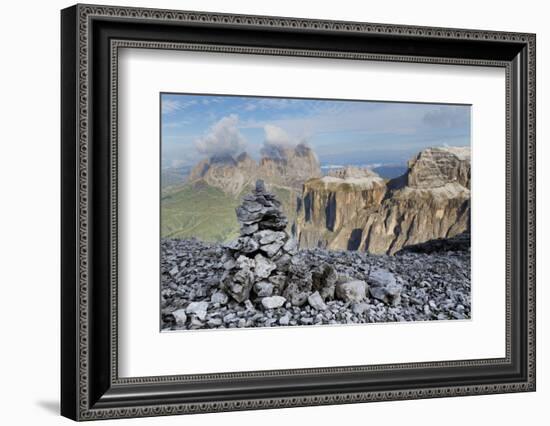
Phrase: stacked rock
pixel 256 263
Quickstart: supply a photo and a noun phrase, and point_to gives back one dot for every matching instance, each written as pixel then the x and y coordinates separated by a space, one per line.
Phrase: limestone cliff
pixel 358 210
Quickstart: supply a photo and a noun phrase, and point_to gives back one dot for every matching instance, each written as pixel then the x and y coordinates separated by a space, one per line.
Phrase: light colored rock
pixel 435 167
pixel 263 267
pixel 273 302
pixel 229 264
pixel 316 301
pixel 351 172
pixel 291 246
pixel 219 297
pixel 384 287
pixel 214 322
pixel 285 319
pixel 197 308
pixel 272 249
pixel 381 278
pixel 430 201
pixel 352 291
pixel 180 316
pixel 359 308
pixel 174 271
pixel 268 236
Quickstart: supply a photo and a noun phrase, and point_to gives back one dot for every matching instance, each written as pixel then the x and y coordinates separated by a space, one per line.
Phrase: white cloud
pixel 276 136
pixel 223 138
pixel 276 139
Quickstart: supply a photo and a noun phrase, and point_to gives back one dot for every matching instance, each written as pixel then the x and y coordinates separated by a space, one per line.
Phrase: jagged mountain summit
pixel 229 174
pixel 283 166
pixel 345 211
pixel 350 208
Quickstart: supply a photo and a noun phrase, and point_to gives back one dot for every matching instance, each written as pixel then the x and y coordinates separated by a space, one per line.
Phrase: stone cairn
pixel 262 266
pixel 257 262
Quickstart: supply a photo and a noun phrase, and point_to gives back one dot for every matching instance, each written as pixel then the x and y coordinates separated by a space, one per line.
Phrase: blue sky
pixel 340 132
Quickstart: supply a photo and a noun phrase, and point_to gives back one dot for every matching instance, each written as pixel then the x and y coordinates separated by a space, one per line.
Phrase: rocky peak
pixel 225 172
pixel 290 166
pixel 435 167
pixel 351 172
pixel 222 159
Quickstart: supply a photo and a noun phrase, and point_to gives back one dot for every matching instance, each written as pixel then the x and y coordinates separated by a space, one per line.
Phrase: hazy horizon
pixel 363 133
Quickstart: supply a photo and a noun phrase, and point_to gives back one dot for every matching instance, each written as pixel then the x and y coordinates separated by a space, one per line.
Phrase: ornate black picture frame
pixel 91 36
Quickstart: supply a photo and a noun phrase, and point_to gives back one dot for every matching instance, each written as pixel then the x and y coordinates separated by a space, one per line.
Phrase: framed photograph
pixel 263 212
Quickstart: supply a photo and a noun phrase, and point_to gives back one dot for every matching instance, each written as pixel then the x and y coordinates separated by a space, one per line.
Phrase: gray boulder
pixel 390 295
pixel 381 278
pixel 351 291
pixel 384 287
pixel 316 301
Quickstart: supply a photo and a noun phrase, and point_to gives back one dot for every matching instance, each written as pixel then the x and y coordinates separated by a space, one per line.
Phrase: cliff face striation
pixel 354 209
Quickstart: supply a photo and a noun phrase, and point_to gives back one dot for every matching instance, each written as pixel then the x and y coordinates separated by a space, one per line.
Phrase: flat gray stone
pixel 273 302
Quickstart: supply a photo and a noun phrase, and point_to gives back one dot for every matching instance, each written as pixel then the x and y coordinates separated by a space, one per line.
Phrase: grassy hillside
pixel 207 213
pixel 199 211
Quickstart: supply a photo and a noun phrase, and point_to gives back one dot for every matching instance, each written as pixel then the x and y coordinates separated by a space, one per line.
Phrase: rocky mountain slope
pixel 354 210
pixel 262 279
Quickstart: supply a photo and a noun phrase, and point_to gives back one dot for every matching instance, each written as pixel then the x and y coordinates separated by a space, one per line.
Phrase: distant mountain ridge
pixel 349 208
pixel 286 166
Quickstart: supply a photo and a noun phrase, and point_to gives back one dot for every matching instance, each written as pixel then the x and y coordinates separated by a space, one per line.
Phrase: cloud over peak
pixel 222 138
pixel 277 140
